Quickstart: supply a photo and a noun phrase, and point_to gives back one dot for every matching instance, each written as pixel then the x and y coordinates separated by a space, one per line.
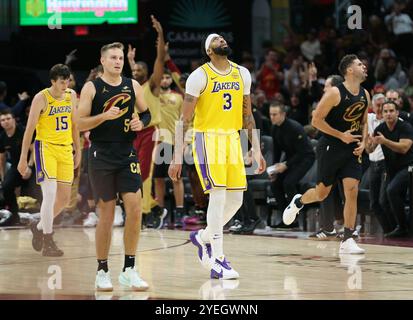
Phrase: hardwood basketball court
pixel 270 268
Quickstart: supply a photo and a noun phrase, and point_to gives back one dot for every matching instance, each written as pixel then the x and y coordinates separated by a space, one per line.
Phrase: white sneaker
pixel 103 282
pixel 118 221
pixel 291 211
pixel 91 220
pixel 350 246
pixel 130 278
pixel 223 270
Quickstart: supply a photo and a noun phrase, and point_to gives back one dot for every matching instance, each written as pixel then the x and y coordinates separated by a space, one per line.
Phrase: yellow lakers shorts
pixel 219 162
pixel 53 162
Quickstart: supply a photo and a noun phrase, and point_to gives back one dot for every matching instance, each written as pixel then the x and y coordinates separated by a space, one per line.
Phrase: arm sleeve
pixel 196 82
pixel 246 77
pixel 407 131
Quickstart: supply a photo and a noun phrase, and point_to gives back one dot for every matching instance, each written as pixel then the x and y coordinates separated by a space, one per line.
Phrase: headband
pixel 209 39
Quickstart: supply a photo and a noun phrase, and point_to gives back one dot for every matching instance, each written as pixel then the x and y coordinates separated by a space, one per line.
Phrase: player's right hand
pixel 347 137
pixel 22 167
pixel 175 171
pixel 112 113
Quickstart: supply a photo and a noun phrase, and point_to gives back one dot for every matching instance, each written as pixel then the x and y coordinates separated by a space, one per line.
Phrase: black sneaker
pixel 50 248
pixel 10 220
pixel 324 235
pixel 179 218
pixel 159 216
pixel 37 240
pixel 283 226
pixel 248 229
pixel 238 225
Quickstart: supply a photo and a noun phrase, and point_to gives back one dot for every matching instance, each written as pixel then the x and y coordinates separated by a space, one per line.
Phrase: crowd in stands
pixel 287 83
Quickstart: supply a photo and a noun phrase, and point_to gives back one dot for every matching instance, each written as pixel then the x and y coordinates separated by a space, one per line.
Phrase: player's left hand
pixel 359 150
pixel 262 165
pixel 77 158
pixel 135 123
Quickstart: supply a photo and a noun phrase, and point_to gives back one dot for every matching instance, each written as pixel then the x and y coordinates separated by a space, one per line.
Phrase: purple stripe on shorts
pixel 199 149
pixel 39 172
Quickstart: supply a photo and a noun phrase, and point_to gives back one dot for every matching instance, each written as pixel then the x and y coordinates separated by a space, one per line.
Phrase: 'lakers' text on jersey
pixel 219 106
pixel 106 97
pixel 348 114
pixel 55 121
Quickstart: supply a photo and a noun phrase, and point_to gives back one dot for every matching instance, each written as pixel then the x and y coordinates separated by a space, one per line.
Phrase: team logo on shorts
pixel 206 182
pixel 40 175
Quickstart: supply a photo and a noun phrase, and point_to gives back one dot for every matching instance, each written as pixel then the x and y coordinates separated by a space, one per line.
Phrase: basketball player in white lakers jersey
pixel 51 115
pixel 219 94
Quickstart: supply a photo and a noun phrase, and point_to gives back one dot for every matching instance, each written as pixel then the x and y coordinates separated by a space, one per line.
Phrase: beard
pixel 222 51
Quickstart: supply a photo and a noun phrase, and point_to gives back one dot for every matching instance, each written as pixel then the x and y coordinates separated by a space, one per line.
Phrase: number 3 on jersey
pixel 61 123
pixel 228 102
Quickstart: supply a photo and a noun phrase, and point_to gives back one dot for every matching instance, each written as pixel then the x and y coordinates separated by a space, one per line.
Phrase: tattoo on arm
pixel 248 118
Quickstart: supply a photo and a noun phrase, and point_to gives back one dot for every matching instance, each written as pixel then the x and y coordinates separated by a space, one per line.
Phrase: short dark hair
pixel 143 65
pixel 113 45
pixel 335 79
pixel 345 62
pixel 59 71
pixel 277 104
pixel 7 111
pixel 387 101
pixel 3 87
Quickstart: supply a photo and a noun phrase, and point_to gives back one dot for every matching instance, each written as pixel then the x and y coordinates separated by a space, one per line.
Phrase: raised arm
pixel 158 68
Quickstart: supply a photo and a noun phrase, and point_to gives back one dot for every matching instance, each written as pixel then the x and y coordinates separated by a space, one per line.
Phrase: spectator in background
pixel 396 139
pixel 380 71
pixel 395 76
pixel 10 148
pixel 377 166
pixel 378 36
pixel 288 136
pixel 401 25
pixel 200 199
pixel 145 139
pixel 171 109
pixel 311 47
pixel 393 95
pixel 19 107
pixel 270 76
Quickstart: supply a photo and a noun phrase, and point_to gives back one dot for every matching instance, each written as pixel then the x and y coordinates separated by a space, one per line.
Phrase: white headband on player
pixel 209 40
